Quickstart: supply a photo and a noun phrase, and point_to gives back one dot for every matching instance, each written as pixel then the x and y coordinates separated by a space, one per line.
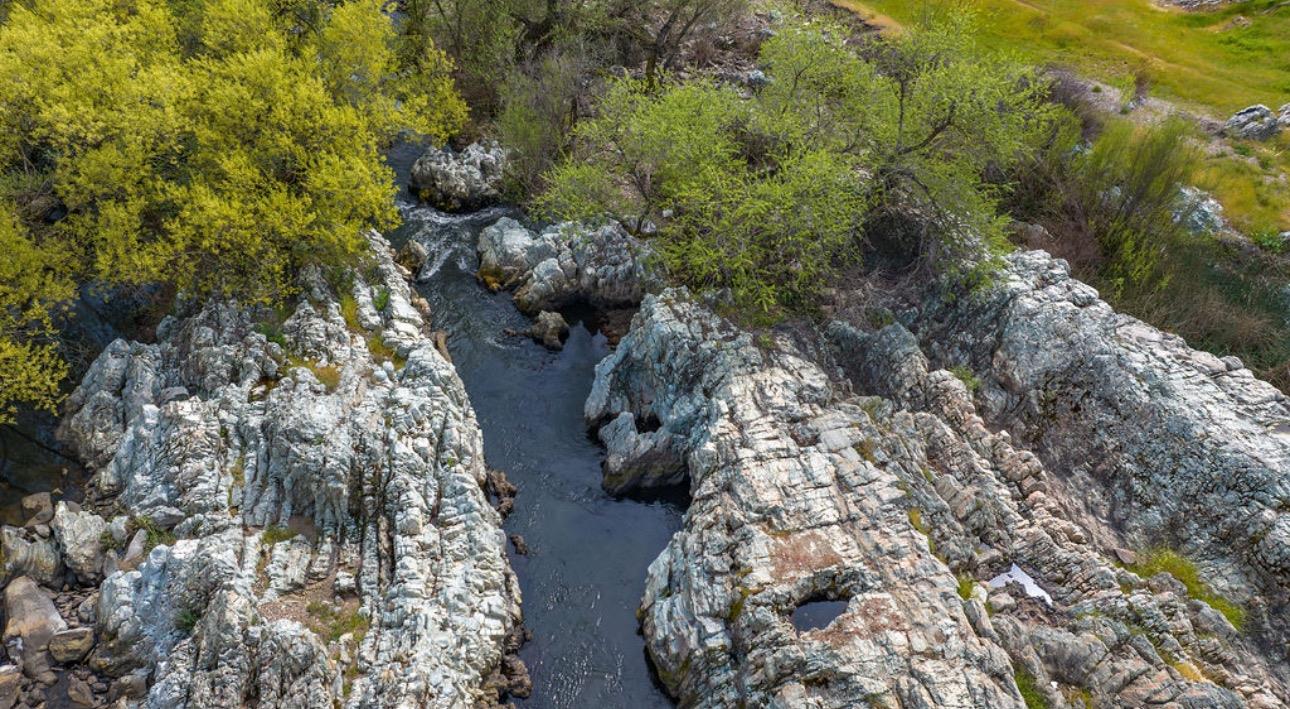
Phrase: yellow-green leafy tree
pixel 216 145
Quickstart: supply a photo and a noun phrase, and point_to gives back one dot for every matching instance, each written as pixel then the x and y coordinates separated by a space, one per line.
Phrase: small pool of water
pixel 588 552
pixel 814 615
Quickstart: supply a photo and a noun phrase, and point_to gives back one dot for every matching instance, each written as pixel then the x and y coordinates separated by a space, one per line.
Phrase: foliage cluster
pixel 768 197
pixel 214 145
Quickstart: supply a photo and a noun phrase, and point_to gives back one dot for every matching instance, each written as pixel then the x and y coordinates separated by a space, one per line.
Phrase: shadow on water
pixel 588 552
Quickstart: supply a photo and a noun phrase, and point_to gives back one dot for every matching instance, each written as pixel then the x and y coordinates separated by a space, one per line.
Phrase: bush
pixel 540 106
pixel 1113 210
pixel 768 198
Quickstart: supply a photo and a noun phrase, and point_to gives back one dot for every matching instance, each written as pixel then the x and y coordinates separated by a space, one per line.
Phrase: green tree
pixel 770 195
pixel 32 283
pixel 216 145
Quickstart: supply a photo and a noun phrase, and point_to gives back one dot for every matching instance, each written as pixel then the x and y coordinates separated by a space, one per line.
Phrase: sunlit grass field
pixel 1213 62
pixel 1210 63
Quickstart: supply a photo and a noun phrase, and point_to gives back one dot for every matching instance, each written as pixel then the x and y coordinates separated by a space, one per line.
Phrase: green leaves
pixel 768 196
pixel 216 145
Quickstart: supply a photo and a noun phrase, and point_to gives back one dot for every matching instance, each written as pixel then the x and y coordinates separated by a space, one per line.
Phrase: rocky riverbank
pixel 981 556
pixel 285 511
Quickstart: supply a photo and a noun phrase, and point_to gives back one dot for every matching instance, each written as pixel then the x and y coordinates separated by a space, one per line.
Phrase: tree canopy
pixel 768 195
pixel 216 145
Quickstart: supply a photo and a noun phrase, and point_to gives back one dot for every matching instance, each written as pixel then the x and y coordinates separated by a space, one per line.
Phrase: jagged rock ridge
pixel 315 504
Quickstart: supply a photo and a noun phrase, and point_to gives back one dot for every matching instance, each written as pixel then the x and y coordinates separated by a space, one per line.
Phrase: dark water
pixel 585 571
pixel 817 614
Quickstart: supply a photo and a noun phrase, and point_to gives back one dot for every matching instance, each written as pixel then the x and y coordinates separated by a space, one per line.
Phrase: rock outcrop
pixel 1254 123
pixel 568 263
pixel 1169 445
pixel 305 506
pixel 921 512
pixel 460 181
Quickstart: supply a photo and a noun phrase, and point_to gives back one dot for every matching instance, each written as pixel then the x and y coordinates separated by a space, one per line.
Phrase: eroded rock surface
pixel 568 263
pixel 905 502
pixel 460 181
pixel 262 464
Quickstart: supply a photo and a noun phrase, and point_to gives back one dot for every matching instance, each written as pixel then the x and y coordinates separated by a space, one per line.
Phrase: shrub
pixel 155 535
pixel 768 197
pixel 968 378
pixel 186 620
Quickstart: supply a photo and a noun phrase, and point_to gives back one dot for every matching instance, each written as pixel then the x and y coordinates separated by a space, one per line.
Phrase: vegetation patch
pixel 1163 560
pixel 349 311
pixel 154 535
pixel 1030 691
pixel 330 622
pixel 186 620
pixel 274 534
pixel 968 378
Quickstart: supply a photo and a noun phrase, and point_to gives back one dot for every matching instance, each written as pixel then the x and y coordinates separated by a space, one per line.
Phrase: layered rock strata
pixel 292 515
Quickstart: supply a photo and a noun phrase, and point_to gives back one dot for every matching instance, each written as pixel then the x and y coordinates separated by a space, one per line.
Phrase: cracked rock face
pixel 460 181
pixel 787 507
pixel 1168 444
pixel 338 444
pixel 566 264
pixel 916 509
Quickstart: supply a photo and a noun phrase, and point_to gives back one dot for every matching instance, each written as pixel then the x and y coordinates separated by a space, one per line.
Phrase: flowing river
pixel 588 552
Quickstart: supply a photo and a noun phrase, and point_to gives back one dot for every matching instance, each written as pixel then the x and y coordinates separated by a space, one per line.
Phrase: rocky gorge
pixel 981 527
pixel 288 514
pixel 940 500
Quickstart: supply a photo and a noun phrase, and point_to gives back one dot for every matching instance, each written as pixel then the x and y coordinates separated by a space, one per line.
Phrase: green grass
pixel 275 534
pixel 966 376
pixel 966 585
pixel 1155 561
pixel 1030 692
pixel 349 311
pixel 186 620
pixel 328 375
pixel 1200 59
pixel 154 535
pixel 331 623
pixel 1252 187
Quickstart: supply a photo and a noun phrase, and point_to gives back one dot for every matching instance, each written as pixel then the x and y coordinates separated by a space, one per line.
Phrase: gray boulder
pixel 28 554
pixel 1257 122
pixel 460 181
pixel 567 263
pixel 31 620
pixel 550 329
pixel 80 536
pixel 71 645
pixel 1198 211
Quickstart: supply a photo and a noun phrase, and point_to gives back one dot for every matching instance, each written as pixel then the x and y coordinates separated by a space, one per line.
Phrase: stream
pixel 588 552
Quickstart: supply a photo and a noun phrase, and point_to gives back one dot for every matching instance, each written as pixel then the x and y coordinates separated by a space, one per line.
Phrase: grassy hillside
pixel 1213 62
pixel 1210 63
